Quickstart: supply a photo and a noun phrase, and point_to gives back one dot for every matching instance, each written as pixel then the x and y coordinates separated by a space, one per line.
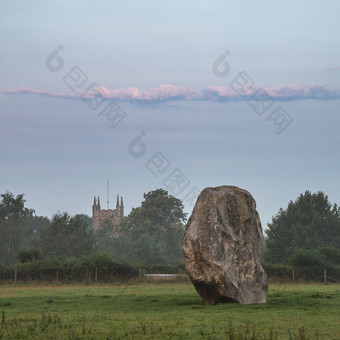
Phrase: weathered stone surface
pixel 222 246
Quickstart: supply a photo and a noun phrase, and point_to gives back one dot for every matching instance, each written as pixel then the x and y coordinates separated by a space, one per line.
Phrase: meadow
pixel 165 310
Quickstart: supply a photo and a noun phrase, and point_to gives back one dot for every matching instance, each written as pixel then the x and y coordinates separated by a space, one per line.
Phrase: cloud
pixel 161 93
pixel 26 90
pixel 323 92
pixel 333 68
pixel 167 92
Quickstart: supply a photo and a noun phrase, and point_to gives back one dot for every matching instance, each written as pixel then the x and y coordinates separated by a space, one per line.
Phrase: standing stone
pixel 222 246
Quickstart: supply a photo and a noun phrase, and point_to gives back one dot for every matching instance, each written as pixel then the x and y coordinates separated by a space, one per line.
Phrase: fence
pixel 115 272
pixel 111 273
pixel 302 274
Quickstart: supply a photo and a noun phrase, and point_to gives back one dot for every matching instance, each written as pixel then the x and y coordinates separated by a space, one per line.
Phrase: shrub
pixel 29 255
pixel 306 258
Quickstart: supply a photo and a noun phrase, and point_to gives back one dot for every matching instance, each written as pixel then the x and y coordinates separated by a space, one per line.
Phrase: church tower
pixel 100 216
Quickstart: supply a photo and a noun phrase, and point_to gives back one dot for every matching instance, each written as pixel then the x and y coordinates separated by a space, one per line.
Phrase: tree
pixel 88 220
pixel 15 228
pixel 29 255
pixel 37 223
pixel 157 212
pixel 306 258
pixel 65 236
pixel 105 237
pixel 311 222
pixel 151 234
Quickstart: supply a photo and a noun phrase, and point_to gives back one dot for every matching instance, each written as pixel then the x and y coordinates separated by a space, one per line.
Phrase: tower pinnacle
pixel 117 205
pixel 121 207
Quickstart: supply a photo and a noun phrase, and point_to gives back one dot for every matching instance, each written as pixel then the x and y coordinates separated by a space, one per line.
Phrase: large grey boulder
pixel 222 246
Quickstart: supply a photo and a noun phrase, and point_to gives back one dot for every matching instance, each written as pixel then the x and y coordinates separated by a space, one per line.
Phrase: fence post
pixel 57 275
pixel 293 274
pixel 15 275
pixel 96 276
pixel 325 276
pixel 140 274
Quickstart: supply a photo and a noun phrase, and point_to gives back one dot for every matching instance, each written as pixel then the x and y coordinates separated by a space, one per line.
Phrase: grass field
pixel 164 311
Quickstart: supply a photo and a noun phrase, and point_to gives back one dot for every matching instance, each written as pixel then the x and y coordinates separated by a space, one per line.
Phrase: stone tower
pixel 100 215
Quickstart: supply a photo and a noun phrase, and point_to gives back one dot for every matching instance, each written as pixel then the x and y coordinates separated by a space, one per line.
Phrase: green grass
pixel 164 311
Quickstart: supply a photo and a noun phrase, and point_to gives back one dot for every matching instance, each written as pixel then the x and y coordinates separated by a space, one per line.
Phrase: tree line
pixel 150 235
pixel 306 233
pixel 95 267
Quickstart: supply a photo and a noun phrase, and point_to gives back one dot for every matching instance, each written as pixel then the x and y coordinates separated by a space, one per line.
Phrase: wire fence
pixel 120 273
pixel 302 274
pixel 67 275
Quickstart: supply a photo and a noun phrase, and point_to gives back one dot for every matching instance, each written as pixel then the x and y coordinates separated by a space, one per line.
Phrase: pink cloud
pixel 167 92
pixel 162 93
pixel 217 93
pixel 333 68
pixel 322 92
pixel 26 90
pixel 285 91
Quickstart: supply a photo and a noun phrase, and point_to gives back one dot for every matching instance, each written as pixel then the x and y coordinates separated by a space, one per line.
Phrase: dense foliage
pixel 150 235
pixel 15 227
pixel 306 233
pixel 85 268
pixel 65 236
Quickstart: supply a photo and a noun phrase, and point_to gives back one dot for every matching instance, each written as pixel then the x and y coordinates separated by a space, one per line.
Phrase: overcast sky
pixel 180 95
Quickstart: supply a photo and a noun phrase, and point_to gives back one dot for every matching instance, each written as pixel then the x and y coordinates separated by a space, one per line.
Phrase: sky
pixel 179 95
